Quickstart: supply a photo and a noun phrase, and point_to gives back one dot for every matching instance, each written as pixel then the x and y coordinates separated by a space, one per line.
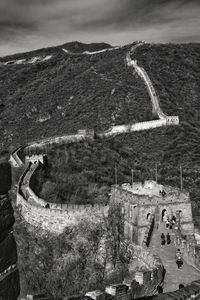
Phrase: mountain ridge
pixel 74 46
pixel 71 92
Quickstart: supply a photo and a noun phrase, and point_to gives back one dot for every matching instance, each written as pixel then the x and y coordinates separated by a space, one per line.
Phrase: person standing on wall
pixel 179 260
pixel 168 238
pixel 162 239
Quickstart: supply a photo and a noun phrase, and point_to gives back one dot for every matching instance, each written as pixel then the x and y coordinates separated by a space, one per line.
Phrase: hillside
pixel 69 91
pixel 83 172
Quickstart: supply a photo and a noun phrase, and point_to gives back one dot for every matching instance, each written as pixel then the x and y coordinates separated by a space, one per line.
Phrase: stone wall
pixel 27 187
pixel 16 157
pixel 66 139
pixel 55 217
pixel 139 126
pixel 56 221
pixel 187 244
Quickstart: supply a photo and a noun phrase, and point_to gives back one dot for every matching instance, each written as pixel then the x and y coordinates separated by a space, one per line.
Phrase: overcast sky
pixel 32 24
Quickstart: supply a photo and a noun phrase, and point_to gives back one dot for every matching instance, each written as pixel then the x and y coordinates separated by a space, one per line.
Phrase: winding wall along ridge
pixel 143 74
pixel 28 200
pixel 24 190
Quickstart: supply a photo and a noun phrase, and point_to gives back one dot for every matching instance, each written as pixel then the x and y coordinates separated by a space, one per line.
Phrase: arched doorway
pixel 164 212
pixel 148 216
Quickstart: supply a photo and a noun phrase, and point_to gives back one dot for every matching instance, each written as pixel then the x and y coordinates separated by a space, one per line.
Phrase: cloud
pixel 30 24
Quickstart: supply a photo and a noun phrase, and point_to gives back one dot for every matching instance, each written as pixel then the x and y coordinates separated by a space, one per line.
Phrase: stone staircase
pixel 167 253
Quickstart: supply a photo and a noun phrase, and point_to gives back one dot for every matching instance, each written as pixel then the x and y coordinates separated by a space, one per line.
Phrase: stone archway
pixel 148 215
pixel 164 212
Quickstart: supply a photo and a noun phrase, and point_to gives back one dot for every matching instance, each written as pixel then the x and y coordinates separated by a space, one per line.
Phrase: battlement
pixel 35 158
pixel 149 193
pixel 172 120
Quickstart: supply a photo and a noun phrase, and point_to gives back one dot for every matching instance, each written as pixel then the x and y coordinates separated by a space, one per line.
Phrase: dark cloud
pixel 27 24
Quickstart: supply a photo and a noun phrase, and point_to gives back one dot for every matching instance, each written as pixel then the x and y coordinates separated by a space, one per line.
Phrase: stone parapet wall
pixel 15 157
pixel 27 191
pixel 52 220
pixel 119 129
pixel 187 244
pixel 189 249
pixel 57 140
pixel 148 125
pixel 172 196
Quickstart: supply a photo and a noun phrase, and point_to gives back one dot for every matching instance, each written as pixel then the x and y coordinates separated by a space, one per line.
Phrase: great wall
pixel 143 231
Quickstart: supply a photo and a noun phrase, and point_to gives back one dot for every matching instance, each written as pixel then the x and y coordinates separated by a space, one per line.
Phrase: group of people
pixel 169 222
pixel 163 193
pixel 166 239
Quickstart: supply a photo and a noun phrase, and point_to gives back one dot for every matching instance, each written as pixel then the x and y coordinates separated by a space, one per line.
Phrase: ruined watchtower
pixel 141 200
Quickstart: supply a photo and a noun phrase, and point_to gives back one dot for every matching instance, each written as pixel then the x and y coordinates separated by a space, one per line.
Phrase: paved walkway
pixel 173 276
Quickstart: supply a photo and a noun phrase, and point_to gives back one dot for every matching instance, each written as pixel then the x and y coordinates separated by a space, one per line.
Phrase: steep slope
pixel 174 70
pixel 71 91
pixel 68 92
pixel 9 275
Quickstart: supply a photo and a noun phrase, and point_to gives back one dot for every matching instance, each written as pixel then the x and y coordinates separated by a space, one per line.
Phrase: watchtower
pixel 142 200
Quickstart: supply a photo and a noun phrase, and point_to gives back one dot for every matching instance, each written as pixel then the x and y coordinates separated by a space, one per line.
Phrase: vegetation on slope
pixel 74 47
pixel 174 70
pixel 95 92
pixel 83 172
pixel 69 92
pixel 84 258
pixel 78 91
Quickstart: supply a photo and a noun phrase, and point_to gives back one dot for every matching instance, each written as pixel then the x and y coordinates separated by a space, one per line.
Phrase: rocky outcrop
pixel 9 275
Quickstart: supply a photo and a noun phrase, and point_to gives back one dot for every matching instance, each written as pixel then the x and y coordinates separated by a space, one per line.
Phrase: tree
pixel 115 230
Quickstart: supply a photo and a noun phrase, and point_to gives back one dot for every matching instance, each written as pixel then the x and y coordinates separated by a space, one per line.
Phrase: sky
pixel 31 24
